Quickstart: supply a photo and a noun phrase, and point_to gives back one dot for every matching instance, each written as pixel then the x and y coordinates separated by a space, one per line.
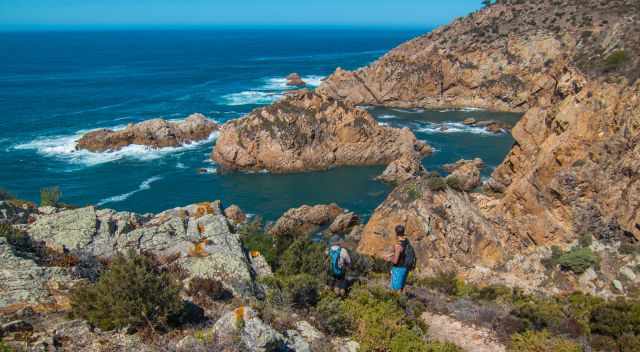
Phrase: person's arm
pixel 397 252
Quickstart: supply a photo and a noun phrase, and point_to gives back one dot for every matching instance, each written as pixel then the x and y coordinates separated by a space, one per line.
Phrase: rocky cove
pixel 540 253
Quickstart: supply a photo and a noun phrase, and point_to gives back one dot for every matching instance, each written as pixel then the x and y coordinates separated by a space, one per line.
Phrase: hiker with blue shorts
pixel 403 260
pixel 339 262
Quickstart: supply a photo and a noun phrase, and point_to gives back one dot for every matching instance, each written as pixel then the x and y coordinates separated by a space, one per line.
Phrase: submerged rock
pixel 156 133
pixel 305 131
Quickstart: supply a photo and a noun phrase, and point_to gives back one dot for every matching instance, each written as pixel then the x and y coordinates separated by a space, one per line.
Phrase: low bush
pixel 578 260
pixel 436 183
pixel 296 291
pixel 255 239
pixel 133 292
pixel 586 240
pixel 208 288
pixel 50 196
pixel 541 341
pixel 4 347
pixel 304 256
pixel 615 60
pixel 539 314
pixel 332 316
pixel 616 318
pixel 363 265
pixel 445 282
pixel 454 183
pixel 629 248
pixel 410 341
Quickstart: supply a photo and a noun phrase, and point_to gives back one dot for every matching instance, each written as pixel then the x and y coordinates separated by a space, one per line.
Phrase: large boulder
pixel 305 220
pixel 235 214
pixel 198 236
pixel 305 131
pixel 344 223
pixel 407 167
pixel 156 133
pixel 244 324
pixel 467 172
pixel 294 80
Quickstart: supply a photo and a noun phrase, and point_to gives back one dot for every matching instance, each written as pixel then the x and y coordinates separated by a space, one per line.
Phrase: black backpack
pixel 409 256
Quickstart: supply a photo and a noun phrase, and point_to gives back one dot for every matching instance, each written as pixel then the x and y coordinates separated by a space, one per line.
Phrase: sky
pixel 46 14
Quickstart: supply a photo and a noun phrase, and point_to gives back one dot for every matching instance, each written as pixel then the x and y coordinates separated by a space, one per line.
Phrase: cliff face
pixel 306 131
pixel 572 67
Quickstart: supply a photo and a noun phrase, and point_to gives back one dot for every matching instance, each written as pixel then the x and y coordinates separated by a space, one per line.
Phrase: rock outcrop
pixel 572 67
pixel 156 133
pixel 305 131
pixel 467 173
pixel 294 80
pixel 305 220
pixel 197 236
pixel 402 169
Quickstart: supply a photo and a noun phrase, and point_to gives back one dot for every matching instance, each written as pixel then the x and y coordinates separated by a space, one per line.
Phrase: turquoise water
pixel 56 85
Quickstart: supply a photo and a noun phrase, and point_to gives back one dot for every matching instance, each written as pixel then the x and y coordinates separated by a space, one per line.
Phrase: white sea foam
pixel 452 127
pixel 180 166
pixel 467 109
pixel 410 111
pixel 64 148
pixel 385 124
pixel 251 97
pixel 387 117
pixel 121 197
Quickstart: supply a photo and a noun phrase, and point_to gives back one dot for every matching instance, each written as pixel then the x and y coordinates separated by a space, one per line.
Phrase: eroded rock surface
pixel 467 172
pixel 305 131
pixel 156 133
pixel 305 220
pixel 402 169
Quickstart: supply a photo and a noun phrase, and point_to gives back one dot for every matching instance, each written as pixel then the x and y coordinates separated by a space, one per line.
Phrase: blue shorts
pixel 398 277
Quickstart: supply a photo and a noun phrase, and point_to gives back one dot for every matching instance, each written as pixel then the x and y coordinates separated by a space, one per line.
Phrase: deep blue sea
pixel 56 85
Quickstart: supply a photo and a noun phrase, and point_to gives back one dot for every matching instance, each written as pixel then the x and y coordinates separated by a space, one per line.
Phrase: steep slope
pixel 572 67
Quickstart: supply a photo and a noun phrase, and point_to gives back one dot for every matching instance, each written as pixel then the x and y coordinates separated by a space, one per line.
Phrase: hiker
pixel 403 260
pixel 339 260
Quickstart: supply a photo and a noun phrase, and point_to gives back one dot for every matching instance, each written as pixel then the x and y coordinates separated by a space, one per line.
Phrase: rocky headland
pixel 156 133
pixel 306 131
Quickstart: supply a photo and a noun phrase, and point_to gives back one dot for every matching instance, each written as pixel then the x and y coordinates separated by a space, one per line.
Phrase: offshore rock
pixel 156 133
pixel 294 80
pixel 467 172
pixel 305 131
pixel 407 167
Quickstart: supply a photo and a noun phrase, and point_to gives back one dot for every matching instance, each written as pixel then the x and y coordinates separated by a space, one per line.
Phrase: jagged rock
pixel 305 220
pixel 344 222
pixel 294 80
pixel 198 235
pixel 406 167
pixel 260 266
pixel 446 228
pixel 235 214
pixel 11 213
pixel 156 133
pixel 23 283
pixel 467 172
pixel 255 335
pixel 305 131
pixel 494 126
pixel 469 121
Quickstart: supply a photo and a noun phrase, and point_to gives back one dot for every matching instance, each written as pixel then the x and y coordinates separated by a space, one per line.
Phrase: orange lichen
pixel 198 249
pixel 204 209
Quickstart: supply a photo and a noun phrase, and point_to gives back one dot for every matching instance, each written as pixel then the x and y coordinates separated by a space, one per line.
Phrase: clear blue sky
pixel 37 14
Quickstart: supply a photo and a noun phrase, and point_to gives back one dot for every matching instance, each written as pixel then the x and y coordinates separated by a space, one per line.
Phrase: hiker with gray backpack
pixel 403 260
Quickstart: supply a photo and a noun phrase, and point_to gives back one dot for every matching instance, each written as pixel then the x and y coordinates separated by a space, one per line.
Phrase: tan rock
pixel 305 131
pixel 156 133
pixel 295 80
pixel 344 222
pixel 467 172
pixel 235 214
pixel 407 167
pixel 469 121
pixel 305 220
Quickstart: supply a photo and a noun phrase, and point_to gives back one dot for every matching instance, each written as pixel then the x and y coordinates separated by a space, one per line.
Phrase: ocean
pixel 54 86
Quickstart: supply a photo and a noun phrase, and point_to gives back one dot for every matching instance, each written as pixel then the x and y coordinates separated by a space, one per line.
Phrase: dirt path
pixel 470 338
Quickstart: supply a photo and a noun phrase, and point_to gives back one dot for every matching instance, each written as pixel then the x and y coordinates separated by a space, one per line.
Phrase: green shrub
pixel 579 306
pixel 454 183
pixel 410 341
pixel 132 292
pixel 304 257
pixel 413 191
pixel 629 248
pixel 436 183
pixel 615 60
pixel 362 265
pixel 616 318
pixel 50 196
pixel 578 260
pixel 297 291
pixel 445 282
pixel 207 287
pixel 586 240
pixel 541 341
pixel 539 314
pixel 332 315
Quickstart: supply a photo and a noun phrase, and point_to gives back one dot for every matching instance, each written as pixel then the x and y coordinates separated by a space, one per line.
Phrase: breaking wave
pixel 122 197
pixel 452 127
pixel 64 148
pixel 272 90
